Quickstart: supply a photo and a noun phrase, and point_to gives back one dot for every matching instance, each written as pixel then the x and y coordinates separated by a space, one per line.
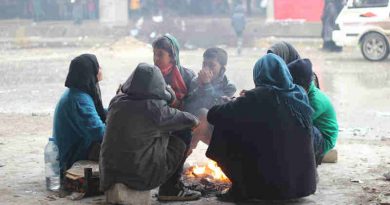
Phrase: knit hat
pixel 301 71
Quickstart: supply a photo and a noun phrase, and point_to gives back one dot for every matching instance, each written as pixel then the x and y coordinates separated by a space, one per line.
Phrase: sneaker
pixel 178 193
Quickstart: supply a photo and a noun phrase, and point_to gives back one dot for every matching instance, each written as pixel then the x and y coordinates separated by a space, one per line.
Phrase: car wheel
pixel 374 47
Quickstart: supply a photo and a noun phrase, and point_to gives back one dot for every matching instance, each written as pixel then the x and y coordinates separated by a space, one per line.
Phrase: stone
pixel 121 194
pixel 330 157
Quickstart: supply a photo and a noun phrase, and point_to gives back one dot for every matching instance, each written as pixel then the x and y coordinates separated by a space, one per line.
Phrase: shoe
pixel 177 193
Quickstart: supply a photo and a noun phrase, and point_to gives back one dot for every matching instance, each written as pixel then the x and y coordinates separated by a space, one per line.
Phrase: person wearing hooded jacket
pixel 139 148
pixel 262 141
pixel 79 117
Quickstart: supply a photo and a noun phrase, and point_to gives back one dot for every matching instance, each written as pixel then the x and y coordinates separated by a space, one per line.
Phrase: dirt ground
pixel 32 80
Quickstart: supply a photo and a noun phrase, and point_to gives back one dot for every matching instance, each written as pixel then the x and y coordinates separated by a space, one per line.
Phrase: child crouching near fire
pixel 210 88
pixel 138 149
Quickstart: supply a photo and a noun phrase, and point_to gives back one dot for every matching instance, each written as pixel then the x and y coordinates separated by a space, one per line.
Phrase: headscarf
pixel 284 50
pixel 302 72
pixel 177 82
pixel 82 75
pixel 272 72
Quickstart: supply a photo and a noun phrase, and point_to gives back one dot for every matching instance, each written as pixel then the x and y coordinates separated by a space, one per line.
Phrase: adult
pixel 332 9
pixel 262 141
pixel 79 118
pixel 138 149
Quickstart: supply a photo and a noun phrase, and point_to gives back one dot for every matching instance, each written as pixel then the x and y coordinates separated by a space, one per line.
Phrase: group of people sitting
pixel 268 141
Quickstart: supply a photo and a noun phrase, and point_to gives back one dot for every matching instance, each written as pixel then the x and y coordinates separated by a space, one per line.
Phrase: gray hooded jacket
pixel 137 148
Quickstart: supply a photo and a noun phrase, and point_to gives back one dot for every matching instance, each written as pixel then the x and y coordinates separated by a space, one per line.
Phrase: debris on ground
pixel 76 196
pixel 357 181
pixel 384 199
pixel 51 198
pixel 387 176
pixel 370 190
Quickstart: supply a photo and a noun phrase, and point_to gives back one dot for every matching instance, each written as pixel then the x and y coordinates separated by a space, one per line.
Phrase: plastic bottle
pixel 52 166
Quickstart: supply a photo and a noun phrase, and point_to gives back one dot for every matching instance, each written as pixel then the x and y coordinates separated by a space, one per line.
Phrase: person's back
pixel 74 133
pixel 272 150
pixel 263 141
pixel 325 128
pixel 138 149
pixel 324 117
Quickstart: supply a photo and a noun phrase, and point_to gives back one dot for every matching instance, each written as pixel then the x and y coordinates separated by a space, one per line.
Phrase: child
pixel 325 127
pixel 138 149
pixel 166 58
pixel 210 88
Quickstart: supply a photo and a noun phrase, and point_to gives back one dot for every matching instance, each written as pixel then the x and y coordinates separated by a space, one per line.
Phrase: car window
pixel 369 3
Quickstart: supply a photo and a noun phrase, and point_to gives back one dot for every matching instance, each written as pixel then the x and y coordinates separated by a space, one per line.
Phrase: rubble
pixel 387 176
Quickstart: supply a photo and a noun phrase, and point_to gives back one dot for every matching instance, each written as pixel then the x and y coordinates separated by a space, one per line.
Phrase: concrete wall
pixel 113 12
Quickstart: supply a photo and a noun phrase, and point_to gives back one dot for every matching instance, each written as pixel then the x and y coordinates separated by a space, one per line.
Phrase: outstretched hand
pixel 242 93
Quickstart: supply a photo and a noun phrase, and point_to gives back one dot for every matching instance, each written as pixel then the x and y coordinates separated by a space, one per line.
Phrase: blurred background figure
pixel 134 9
pixel 239 23
pixel 62 9
pixel 92 9
pixel 332 9
pixel 77 11
pixel 38 13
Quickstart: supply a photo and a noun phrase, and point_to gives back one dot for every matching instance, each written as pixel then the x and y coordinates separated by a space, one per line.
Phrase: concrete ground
pixel 32 81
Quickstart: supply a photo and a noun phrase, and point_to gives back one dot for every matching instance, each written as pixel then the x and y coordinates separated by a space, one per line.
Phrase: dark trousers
pixel 174 180
pixel 318 144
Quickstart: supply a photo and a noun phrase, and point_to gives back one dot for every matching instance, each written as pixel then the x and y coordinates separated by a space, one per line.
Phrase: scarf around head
pixel 177 82
pixel 82 75
pixel 272 72
pixel 284 50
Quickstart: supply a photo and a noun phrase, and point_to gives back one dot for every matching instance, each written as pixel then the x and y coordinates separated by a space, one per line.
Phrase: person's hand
pixel 242 93
pixel 205 77
pixel 119 90
pixel 197 123
pixel 173 95
pixel 226 99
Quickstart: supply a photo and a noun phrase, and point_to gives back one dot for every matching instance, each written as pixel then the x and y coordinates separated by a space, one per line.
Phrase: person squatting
pixel 268 141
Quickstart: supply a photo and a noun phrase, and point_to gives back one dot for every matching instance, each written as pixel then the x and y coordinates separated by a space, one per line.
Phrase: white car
pixel 365 23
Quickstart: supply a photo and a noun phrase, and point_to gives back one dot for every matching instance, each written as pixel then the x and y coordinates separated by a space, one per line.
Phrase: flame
pixel 211 171
pixel 199 170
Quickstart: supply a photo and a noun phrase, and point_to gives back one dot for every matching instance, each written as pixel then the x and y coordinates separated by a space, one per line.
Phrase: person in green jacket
pixel 325 129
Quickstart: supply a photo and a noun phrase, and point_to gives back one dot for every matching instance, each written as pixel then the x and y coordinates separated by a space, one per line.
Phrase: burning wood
pixel 208 179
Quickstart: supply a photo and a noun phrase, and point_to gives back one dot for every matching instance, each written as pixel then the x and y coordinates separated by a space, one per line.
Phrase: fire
pixel 198 170
pixel 210 171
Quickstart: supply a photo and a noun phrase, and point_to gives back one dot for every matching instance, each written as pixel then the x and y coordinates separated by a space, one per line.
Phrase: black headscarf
pixel 82 75
pixel 284 50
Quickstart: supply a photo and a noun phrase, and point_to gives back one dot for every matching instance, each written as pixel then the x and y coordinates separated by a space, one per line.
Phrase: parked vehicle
pixel 365 23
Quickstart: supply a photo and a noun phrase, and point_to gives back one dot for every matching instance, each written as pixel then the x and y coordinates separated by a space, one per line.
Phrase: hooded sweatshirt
pixel 138 149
